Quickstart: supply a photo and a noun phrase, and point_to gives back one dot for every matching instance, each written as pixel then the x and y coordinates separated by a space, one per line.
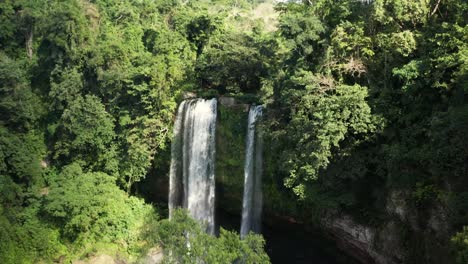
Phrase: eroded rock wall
pixel 406 234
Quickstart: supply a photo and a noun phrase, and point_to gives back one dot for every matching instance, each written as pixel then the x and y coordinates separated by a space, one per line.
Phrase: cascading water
pixel 252 200
pixel 192 173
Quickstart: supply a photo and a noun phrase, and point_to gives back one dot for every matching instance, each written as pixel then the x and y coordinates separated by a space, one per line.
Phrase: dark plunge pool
pixel 286 242
pixel 291 243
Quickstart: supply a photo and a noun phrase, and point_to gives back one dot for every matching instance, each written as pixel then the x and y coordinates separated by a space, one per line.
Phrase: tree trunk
pixel 435 8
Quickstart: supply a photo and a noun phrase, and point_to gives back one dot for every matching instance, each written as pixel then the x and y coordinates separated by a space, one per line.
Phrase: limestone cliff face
pixel 406 235
pixel 367 244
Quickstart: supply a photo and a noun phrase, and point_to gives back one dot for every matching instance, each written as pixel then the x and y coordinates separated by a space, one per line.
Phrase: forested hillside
pixel 367 109
pixel 364 101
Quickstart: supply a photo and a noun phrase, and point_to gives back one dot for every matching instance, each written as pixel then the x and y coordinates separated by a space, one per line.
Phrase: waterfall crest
pixel 192 171
pixel 253 169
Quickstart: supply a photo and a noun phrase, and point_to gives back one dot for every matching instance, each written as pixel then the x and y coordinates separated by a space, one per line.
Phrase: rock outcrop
pixel 406 235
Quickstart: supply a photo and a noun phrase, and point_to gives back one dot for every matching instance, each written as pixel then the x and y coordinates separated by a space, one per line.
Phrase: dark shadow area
pixel 291 242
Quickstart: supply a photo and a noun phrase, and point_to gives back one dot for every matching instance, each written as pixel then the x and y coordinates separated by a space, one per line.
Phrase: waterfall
pixel 252 200
pixel 192 171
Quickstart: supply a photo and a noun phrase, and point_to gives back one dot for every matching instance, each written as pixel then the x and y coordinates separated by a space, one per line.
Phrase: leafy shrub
pixel 89 207
pixel 184 241
pixel 460 243
pixel 25 239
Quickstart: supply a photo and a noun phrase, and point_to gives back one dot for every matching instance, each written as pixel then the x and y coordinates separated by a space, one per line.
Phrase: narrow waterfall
pixel 252 200
pixel 192 172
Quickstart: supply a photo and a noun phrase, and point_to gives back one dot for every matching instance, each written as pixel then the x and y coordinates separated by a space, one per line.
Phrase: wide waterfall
pixel 192 173
pixel 252 200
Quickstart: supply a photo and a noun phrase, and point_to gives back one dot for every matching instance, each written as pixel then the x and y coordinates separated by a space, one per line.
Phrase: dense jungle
pixel 364 129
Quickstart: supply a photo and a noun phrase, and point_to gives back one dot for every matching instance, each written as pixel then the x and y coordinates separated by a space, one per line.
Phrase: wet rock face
pixel 398 207
pixel 407 233
pixel 233 104
pixel 189 95
pixel 227 101
pixel 396 204
pixel 438 221
pixel 367 244
pixel 389 243
pixel 355 239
